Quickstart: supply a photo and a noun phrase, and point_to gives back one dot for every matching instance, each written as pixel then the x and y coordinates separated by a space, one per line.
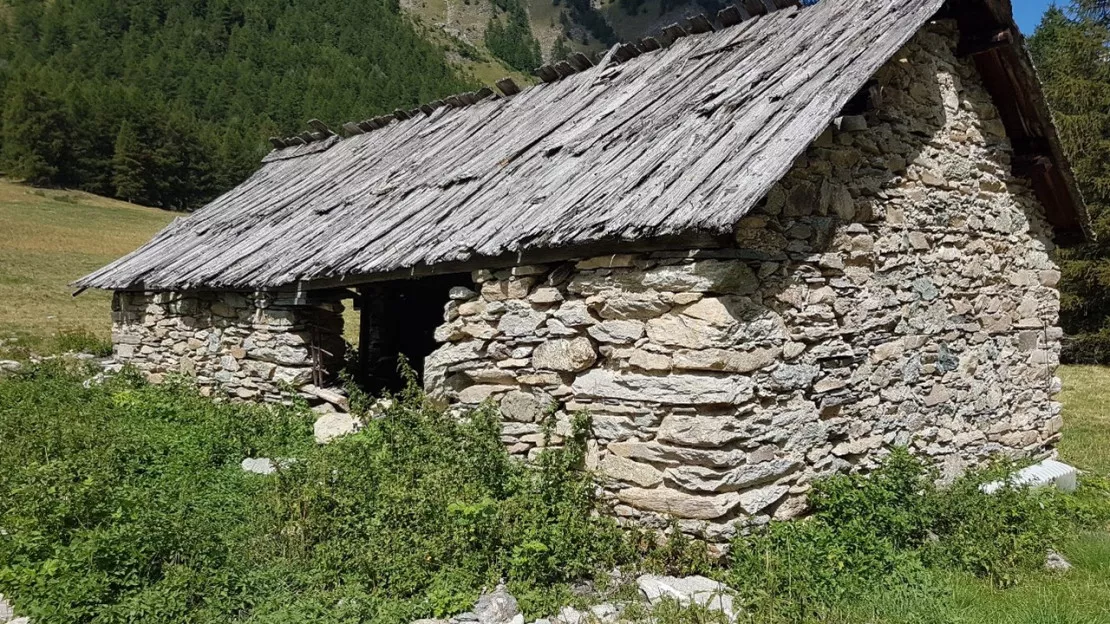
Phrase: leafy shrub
pixel 125 502
pixel 889 528
pixel 80 340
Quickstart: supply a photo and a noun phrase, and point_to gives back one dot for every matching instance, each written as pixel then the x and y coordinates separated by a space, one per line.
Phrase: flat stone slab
pixel 1044 474
pixel 688 590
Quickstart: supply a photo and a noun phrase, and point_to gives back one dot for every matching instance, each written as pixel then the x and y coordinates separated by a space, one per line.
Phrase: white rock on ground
pixel 498 607
pixel 331 426
pixel 1046 473
pixel 688 590
pixel 570 615
pixel 258 465
pixel 7 613
pixel 1055 562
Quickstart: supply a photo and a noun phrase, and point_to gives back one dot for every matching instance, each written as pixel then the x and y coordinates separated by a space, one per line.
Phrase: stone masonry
pixel 895 289
pixel 245 346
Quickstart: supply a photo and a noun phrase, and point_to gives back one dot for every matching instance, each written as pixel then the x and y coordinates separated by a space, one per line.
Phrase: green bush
pixel 80 340
pixel 125 502
pixel 894 529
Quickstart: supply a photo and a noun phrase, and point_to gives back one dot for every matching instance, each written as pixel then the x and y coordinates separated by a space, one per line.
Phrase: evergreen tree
pixel 1071 53
pixel 34 133
pixel 560 50
pixel 127 165
pixel 200 85
pixel 509 37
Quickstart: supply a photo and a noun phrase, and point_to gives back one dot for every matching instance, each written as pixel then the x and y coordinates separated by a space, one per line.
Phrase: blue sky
pixel 1028 13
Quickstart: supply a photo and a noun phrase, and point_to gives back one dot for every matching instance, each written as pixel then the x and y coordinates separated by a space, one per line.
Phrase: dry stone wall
pixel 245 346
pixel 895 289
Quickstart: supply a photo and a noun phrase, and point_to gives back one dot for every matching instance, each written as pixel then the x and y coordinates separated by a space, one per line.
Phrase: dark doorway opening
pixel 399 318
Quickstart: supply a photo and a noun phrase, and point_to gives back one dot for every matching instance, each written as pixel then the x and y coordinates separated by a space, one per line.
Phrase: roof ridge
pixel 701 23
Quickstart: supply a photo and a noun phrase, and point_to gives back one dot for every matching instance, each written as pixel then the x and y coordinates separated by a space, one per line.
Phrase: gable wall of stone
pixel 895 289
pixel 233 344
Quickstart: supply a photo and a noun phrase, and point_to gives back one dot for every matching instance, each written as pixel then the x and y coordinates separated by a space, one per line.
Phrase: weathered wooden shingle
pixel 677 141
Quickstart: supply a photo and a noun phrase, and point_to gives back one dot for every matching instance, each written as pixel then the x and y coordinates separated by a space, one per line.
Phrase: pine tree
pixel 127 165
pixel 1071 53
pixel 34 134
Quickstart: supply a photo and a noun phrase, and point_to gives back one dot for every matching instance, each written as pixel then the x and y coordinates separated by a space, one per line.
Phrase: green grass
pixel 1081 596
pixel 50 238
pixel 1086 399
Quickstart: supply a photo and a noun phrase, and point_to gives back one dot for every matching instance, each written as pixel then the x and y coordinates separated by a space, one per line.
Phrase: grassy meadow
pixel 49 238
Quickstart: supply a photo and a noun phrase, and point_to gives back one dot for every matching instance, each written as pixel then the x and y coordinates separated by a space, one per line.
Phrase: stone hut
pixel 756 249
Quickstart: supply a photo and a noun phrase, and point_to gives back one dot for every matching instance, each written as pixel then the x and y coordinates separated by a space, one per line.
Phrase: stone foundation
pixel 895 289
pixel 246 346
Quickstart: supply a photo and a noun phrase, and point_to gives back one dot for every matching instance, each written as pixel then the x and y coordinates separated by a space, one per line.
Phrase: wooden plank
pixel 602 160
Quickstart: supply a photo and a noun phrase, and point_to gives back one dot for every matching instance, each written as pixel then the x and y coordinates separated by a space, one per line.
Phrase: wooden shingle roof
pixel 679 141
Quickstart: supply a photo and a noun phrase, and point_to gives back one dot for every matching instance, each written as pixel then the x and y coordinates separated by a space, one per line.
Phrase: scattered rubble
pixel 500 607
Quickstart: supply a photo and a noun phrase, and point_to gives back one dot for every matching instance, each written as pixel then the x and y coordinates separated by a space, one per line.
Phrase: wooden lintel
pixel 541 256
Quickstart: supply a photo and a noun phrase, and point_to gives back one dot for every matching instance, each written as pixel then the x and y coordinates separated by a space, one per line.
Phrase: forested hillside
pixel 167 102
pixel 1069 47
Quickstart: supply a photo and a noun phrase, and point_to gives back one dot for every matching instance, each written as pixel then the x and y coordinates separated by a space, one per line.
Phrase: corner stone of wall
pixel 236 344
pixel 894 289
